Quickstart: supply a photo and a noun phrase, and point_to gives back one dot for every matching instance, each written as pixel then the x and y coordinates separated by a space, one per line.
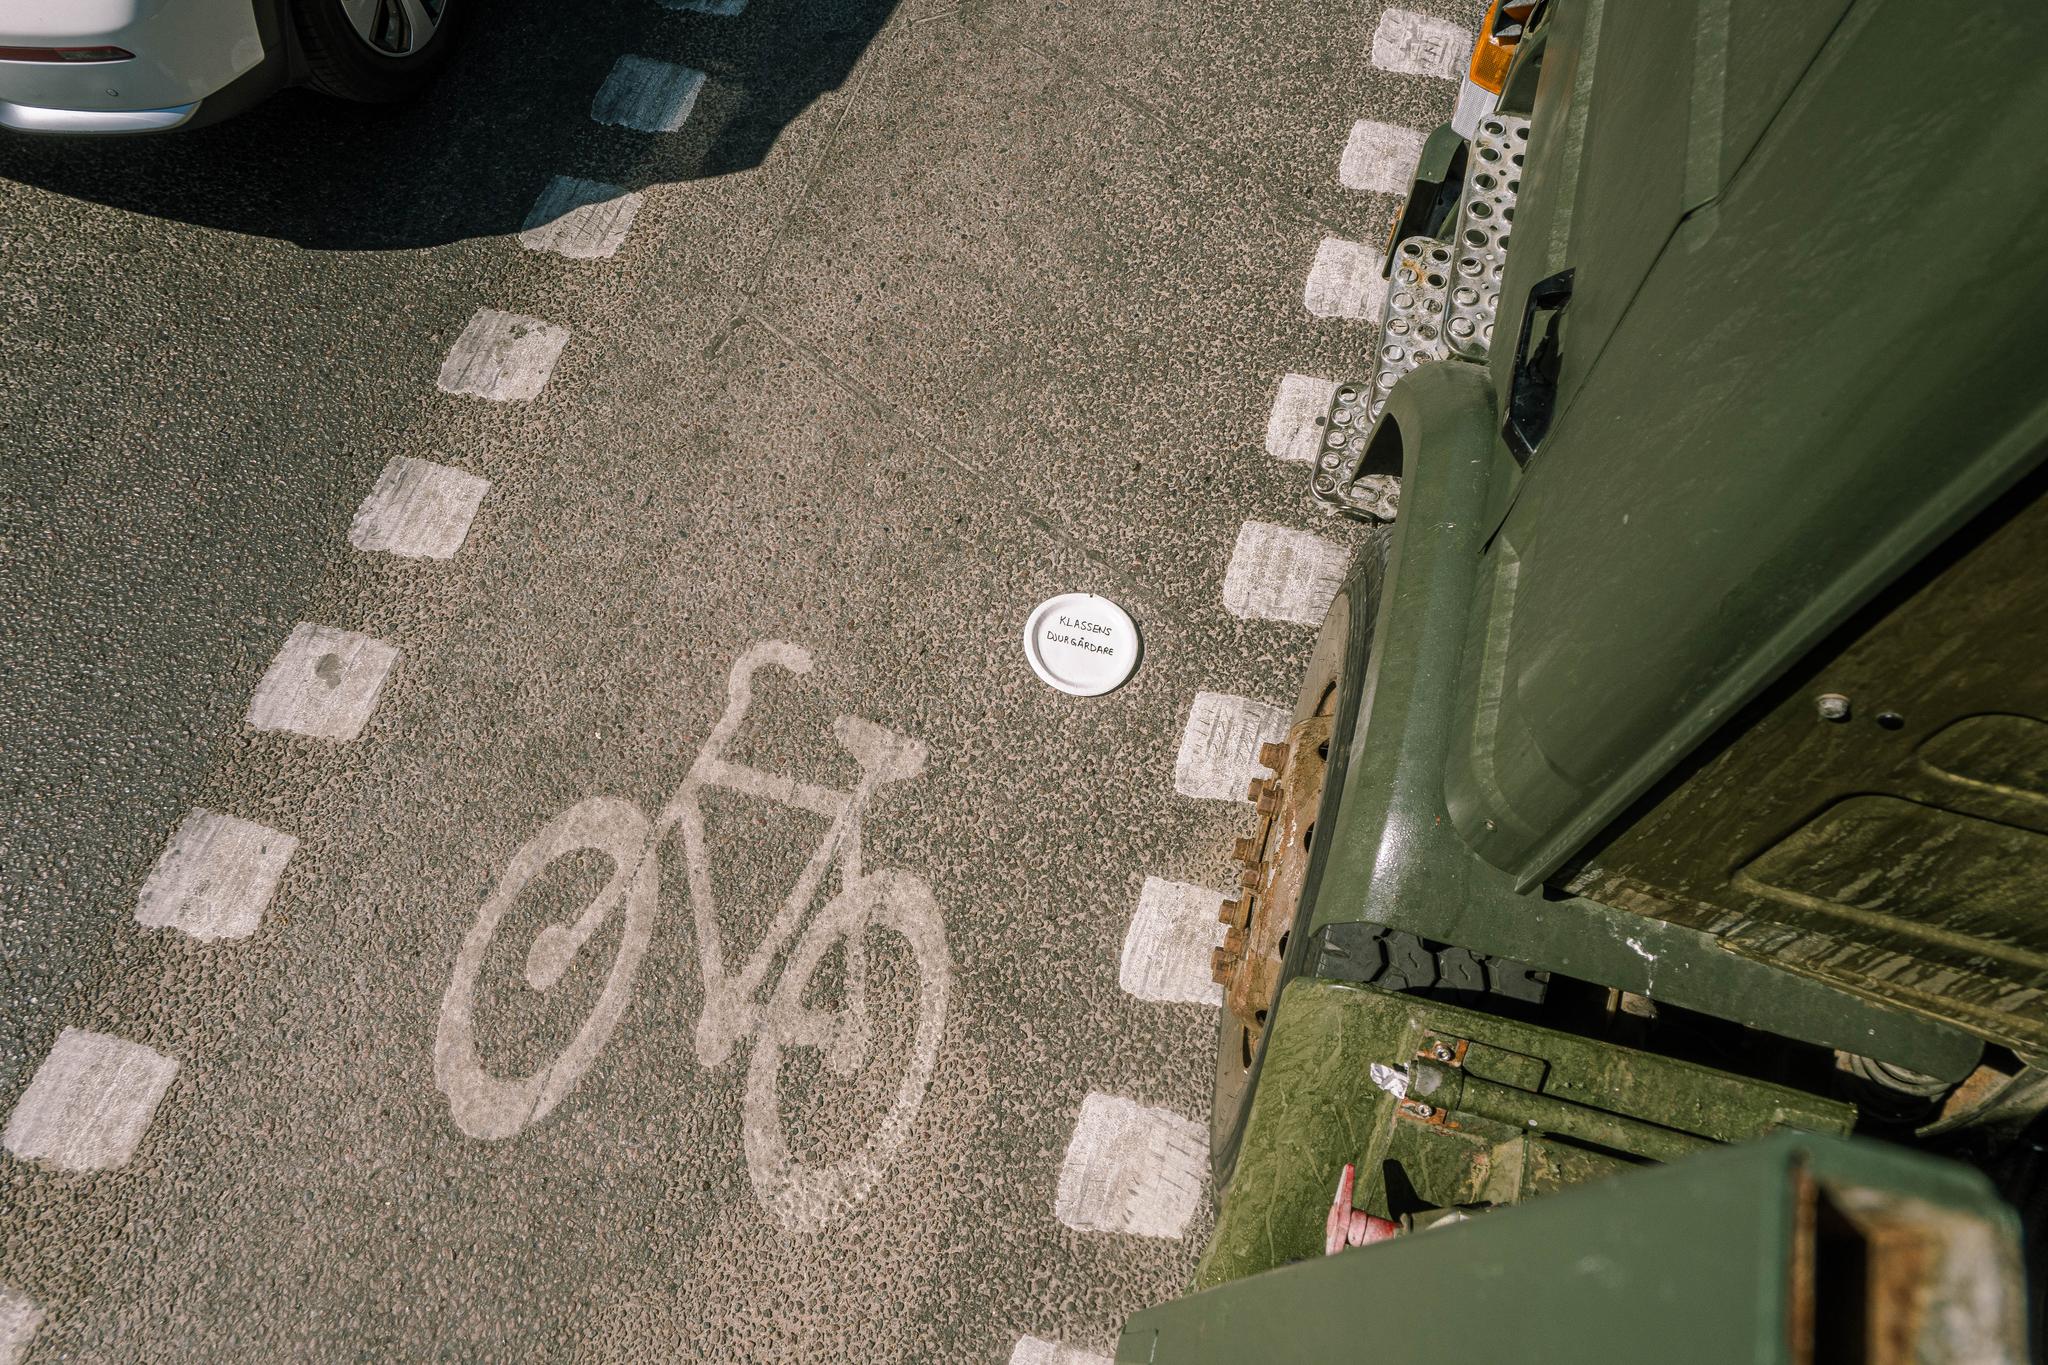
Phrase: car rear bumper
pixel 30 118
pixel 194 61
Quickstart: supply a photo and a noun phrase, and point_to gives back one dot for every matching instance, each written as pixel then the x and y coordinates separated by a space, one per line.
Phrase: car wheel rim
pixel 396 28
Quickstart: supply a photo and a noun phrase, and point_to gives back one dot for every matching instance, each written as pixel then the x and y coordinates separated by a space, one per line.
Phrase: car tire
pixel 390 63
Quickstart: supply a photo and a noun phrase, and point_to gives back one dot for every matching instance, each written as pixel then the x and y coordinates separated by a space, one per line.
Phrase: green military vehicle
pixel 1641 953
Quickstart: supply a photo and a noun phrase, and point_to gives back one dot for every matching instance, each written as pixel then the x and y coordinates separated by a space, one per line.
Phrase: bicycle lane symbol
pixel 800 1196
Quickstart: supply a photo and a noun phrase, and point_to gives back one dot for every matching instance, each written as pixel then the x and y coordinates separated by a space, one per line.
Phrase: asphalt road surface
pixel 338 669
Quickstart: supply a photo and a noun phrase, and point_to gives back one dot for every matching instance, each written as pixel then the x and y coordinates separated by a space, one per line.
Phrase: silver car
pixel 141 66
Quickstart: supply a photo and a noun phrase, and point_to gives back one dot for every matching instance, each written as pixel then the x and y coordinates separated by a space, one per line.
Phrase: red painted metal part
pixel 1349 1227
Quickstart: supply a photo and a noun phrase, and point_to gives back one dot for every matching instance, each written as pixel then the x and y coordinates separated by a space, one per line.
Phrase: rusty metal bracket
pixel 1275 857
pixel 1443 1049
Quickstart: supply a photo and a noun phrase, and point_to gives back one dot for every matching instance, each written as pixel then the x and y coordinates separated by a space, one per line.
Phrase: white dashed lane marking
pixel 1293 428
pixel 89 1103
pixel 584 220
pixel 1344 281
pixel 1219 749
pixel 1380 157
pixel 19 1320
pixel 1038 1351
pixel 1411 44
pixel 418 509
pixel 1279 574
pixel 1131 1169
pixel 215 877
pixel 324 683
pixel 647 96
pixel 503 357
pixel 1166 950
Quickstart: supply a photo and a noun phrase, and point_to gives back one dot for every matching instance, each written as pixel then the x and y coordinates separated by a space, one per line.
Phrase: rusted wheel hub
pixel 1275 858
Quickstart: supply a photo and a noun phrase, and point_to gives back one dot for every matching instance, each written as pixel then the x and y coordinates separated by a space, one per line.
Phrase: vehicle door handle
pixel 1532 383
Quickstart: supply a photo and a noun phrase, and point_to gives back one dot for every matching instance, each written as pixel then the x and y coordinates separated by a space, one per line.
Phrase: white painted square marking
pixel 1294 428
pixel 1411 44
pixel 215 877
pixel 418 509
pixel 89 1103
pixel 324 682
pixel 1166 949
pixel 1038 1351
pixel 503 357
pixel 584 220
pixel 724 7
pixel 1280 574
pixel 1133 1169
pixel 19 1320
pixel 1344 282
pixel 647 96
pixel 1219 749
pixel 1380 157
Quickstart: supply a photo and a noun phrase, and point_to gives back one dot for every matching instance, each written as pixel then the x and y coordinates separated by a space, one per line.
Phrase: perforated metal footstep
pixel 1411 334
pixel 1442 298
pixel 1486 213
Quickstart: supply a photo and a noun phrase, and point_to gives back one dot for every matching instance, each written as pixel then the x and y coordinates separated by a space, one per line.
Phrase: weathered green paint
pixel 1315 1109
pixel 1391 855
pixel 1513 1088
pixel 1901 849
pixel 1774 404
pixel 1432 190
pixel 1798 447
pixel 1687 1264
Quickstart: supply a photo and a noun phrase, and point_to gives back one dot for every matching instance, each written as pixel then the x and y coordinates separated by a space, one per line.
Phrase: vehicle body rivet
pixel 1832 706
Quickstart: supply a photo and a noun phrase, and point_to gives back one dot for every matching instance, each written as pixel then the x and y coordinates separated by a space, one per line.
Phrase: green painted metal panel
pixel 1514 1087
pixel 1695 1263
pixel 1829 369
pixel 1393 857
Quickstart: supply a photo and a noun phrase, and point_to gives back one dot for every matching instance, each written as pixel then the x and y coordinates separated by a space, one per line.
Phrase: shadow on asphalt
pixel 469 158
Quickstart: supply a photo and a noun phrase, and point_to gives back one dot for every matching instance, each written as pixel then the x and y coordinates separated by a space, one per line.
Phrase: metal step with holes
pixel 1442 298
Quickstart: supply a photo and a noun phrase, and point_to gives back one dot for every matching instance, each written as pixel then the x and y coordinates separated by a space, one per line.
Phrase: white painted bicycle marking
pixel 1131 1168
pixel 1219 746
pixel 800 1196
pixel 19 1320
pixel 89 1103
pixel 1344 282
pixel 1039 1351
pixel 215 877
pixel 1411 44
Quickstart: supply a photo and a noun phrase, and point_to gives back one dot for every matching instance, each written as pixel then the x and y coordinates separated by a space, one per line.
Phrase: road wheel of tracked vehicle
pixel 376 51
pixel 1278 854
pixel 1281 870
